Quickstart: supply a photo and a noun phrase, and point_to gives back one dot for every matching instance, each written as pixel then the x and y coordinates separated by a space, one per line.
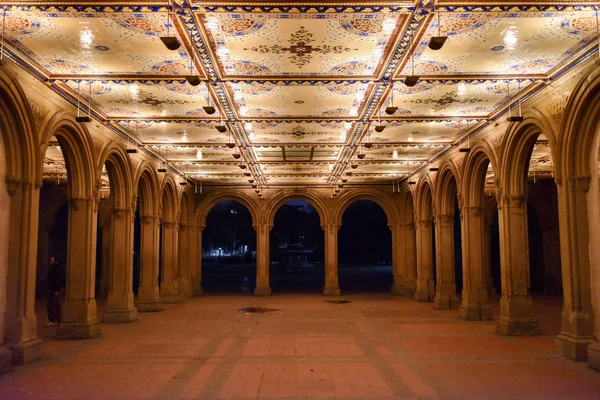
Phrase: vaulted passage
pixel 229 250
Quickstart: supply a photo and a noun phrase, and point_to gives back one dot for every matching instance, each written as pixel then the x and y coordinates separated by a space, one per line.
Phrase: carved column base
pixel 262 291
pixel 78 330
pixel 185 288
pixel 197 289
pixel 169 293
pixel 517 326
pixel 149 305
pixel 574 348
pixel 402 290
pixel 424 296
pixel 331 291
pixel 26 352
pixel 445 302
pixel 594 355
pixel 119 315
pixel 475 312
pixel 5 360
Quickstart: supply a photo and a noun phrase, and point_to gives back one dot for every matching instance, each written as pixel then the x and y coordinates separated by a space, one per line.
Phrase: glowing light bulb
pixel 395 154
pixel 184 137
pixel 388 25
pixel 331 167
pixel 199 154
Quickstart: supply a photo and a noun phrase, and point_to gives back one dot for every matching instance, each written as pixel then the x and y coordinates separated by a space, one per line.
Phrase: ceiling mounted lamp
pixel 130 150
pixel 236 154
pixel 170 42
pixel 437 42
pixel 354 166
pixel 221 128
pixel 251 180
pixel 368 143
pixel 163 165
pixel 336 190
pixel 230 143
pixel 247 174
pixel 254 186
pixel 379 127
pixel 411 80
pixel 464 149
pixel 514 118
pixel 242 166
pixel 209 108
pixel 84 118
pixel 349 173
pixel 360 154
pixel 344 180
pixel 192 79
pixel 390 110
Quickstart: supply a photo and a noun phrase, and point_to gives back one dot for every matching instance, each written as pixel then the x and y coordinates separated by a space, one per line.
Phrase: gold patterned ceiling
pixel 300 88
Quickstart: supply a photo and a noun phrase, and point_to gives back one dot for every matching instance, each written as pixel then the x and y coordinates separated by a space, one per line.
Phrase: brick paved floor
pixel 376 347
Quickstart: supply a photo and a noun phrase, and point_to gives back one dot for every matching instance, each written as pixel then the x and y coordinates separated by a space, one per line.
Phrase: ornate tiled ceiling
pixel 300 88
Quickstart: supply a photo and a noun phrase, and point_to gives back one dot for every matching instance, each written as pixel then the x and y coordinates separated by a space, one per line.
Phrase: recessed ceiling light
pixel 299 102
pixel 498 48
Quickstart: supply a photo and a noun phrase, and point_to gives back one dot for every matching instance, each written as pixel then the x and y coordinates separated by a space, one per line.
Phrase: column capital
pixel 149 219
pixel 78 202
pixel 12 183
pixel 582 182
pixel 183 227
pixel 423 223
pixel 330 227
pixel 473 211
pixel 444 219
pixel 513 201
pixel 261 228
pixel 168 223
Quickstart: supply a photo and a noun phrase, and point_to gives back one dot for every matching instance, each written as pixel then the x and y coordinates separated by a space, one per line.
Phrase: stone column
pixel 445 296
pixel 486 257
pixel 119 306
pixel 425 290
pixel 107 244
pixel 577 329
pixel 169 287
pixel 79 311
pixel 196 260
pixel 19 337
pixel 148 297
pixel 185 273
pixel 332 287
pixel 263 287
pixel 474 306
pixel 403 255
pixel 516 306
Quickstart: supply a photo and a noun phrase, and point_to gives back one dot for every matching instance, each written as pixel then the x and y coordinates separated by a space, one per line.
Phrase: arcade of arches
pixel 510 209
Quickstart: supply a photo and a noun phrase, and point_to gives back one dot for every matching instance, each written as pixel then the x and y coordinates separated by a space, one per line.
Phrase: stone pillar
pixel 107 244
pixel 577 329
pixel 403 255
pixel 263 287
pixel 485 258
pixel 474 306
pixel 79 311
pixel 119 306
pixel 425 290
pixel 516 306
pixel 185 273
pixel 196 260
pixel 21 344
pixel 169 286
pixel 148 297
pixel 332 287
pixel 445 296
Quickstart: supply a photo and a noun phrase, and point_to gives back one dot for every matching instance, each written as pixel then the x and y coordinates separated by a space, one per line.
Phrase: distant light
pixel 133 89
pixel 410 139
pixel 252 136
pixel 184 137
pixel 348 125
pixel 248 126
pixel 331 167
pixel 462 88
pixel 244 111
pixel 388 25
pixel 212 23
pixel 222 51
pixel 353 111
pixel 199 154
pixel 262 167
pixel 395 154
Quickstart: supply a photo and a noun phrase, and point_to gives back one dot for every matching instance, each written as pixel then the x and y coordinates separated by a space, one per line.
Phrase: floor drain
pixel 339 301
pixel 257 310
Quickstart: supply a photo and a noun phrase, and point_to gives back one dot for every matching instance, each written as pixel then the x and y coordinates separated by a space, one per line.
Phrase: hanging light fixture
pixel 432 169
pixel 246 174
pixel 464 149
pixel 344 180
pixel 85 118
pixel 411 80
pixel 360 155
pixel 130 150
pixel 209 108
pixel 514 118
pixel 230 143
pixel 379 127
pixel 192 79
pixel 236 154
pixel 367 142
pixel 163 165
pixel 437 42
pixel 221 127
pixel 391 109
pixel 170 42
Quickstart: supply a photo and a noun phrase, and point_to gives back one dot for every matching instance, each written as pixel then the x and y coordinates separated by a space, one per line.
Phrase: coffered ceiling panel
pixel 305 99
pixel 394 153
pixel 145 99
pixel 416 131
pixel 502 42
pixel 301 131
pixel 181 132
pixel 300 44
pixel 97 43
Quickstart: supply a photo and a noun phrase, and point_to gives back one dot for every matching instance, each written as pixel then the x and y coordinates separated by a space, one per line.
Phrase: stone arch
pixel 424 199
pixel 406 212
pixel 186 205
pixel 475 168
pixel 283 197
pixel 220 195
pixel 145 186
pixel 447 184
pixel 169 198
pixel 365 194
pixel 118 166
pixel 518 144
pixel 77 149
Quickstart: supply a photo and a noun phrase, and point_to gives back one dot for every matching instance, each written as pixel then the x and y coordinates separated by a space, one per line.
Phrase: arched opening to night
pixel 297 249
pixel 365 249
pixel 229 250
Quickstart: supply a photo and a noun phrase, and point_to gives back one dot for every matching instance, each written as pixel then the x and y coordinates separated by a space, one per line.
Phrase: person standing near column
pixel 56 283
